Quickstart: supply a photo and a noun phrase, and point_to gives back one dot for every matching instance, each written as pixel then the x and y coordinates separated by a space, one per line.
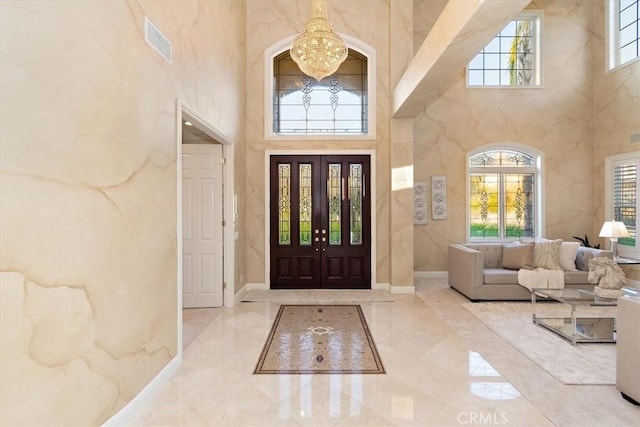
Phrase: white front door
pixel 202 225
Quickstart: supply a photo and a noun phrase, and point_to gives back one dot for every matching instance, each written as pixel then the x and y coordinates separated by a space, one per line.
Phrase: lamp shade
pixel 613 229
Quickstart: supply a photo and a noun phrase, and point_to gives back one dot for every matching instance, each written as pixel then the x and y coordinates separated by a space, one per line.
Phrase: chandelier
pixel 318 51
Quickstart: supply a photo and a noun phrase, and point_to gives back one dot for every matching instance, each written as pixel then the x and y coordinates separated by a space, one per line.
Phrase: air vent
pixel 635 138
pixel 157 40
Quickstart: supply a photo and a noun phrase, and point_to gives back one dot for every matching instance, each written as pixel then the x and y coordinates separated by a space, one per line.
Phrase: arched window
pixel 340 106
pixel 335 105
pixel 504 194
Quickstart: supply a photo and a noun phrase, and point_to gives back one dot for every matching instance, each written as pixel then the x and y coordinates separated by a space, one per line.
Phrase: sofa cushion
pixel 567 254
pixel 547 254
pixel 575 277
pixel 495 276
pixel 516 256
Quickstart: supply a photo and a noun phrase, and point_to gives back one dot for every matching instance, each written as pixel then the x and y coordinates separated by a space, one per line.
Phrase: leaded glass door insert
pixel 320 222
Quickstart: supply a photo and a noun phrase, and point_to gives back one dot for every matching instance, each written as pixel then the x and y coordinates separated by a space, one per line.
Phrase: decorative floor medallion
pixel 319 339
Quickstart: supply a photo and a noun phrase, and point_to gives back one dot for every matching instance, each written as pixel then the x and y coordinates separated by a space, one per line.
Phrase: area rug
pixel 319 339
pixel 586 363
pixel 317 296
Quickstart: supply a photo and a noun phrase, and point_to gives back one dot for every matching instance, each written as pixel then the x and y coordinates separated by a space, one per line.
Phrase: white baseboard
pixel 252 286
pixel 237 298
pixel 246 288
pixel 403 289
pixel 430 274
pixel 126 415
pixel 381 286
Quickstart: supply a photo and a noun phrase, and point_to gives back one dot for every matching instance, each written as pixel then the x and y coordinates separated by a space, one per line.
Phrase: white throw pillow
pixel 568 251
pixel 547 254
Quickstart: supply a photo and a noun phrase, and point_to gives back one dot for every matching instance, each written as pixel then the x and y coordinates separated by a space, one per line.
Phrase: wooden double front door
pixel 320 222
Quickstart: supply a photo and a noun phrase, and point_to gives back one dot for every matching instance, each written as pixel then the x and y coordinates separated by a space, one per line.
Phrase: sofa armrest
pixel 628 347
pixel 465 267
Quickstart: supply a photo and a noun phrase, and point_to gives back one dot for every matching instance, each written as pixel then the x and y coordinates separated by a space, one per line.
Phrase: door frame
pixel 267 212
pixel 184 111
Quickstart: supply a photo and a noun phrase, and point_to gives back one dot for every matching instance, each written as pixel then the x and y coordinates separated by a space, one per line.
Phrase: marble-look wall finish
pixel 554 119
pixel 270 21
pixel 616 115
pixel 88 250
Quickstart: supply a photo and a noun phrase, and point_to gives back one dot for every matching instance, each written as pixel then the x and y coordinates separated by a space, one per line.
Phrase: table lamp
pixel 614 229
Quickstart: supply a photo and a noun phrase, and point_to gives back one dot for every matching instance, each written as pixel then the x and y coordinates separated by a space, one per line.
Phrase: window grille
pixel 623 32
pixel 336 105
pixel 503 194
pixel 628 30
pixel 511 58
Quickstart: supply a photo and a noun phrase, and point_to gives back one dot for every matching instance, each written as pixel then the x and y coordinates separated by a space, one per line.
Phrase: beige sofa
pixel 628 348
pixel 475 270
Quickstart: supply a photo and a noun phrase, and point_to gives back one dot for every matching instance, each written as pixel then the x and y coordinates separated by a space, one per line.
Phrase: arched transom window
pixel 503 194
pixel 336 105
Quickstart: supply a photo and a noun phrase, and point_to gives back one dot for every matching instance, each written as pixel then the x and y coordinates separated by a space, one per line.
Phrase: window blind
pixel 625 199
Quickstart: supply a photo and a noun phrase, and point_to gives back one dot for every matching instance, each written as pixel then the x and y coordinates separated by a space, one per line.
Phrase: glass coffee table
pixel 596 321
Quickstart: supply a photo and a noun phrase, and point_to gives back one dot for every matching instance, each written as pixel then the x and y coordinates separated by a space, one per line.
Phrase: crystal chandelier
pixel 318 51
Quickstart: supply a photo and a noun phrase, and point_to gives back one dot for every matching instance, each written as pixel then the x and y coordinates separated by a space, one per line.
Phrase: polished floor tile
pixel 443 367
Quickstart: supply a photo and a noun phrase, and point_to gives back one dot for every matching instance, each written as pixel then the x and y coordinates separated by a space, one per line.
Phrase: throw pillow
pixel 568 251
pixel 547 255
pixel 517 256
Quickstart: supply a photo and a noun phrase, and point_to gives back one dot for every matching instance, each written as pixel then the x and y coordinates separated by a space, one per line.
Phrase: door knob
pixel 324 239
pixel 324 231
pixel 317 231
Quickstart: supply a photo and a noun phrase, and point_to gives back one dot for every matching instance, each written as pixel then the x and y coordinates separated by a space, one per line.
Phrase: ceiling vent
pixel 157 40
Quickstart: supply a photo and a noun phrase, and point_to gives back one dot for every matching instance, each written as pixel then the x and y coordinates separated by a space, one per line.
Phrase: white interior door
pixel 202 241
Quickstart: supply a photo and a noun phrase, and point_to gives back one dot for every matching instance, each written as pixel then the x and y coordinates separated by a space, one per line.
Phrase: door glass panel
pixel 355 203
pixel 334 193
pixel 305 204
pixel 284 204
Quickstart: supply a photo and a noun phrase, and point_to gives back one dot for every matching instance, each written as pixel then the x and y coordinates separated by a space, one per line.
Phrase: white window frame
pixel 352 43
pixel 609 164
pixel 612 36
pixel 538 170
pixel 537 15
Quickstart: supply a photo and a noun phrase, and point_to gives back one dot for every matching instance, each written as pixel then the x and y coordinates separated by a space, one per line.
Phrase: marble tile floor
pixel 444 368
pixel 194 320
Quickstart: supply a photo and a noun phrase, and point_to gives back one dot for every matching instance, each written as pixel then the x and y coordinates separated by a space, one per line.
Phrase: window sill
pixel 621 66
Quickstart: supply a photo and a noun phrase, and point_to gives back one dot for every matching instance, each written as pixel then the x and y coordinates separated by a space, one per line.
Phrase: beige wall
pixel 88 187
pixel 616 115
pixel 554 119
pixel 269 21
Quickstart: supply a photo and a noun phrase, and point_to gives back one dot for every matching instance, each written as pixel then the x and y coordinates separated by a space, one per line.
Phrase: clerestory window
pixel 623 33
pixel 504 194
pixel 512 58
pixel 336 105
